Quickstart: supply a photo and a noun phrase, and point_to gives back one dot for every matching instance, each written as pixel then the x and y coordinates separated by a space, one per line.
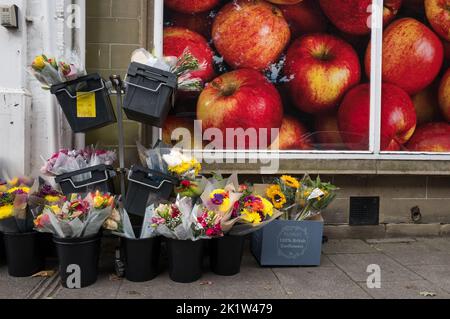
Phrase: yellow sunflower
pixel 276 196
pixel 290 181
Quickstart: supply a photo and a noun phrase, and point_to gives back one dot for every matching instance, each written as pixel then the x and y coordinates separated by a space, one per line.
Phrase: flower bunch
pixel 168 215
pixel 66 161
pixel 256 210
pixel 182 66
pixel 49 195
pixel 185 167
pixel 49 71
pixel 208 224
pixel 282 193
pixel 6 205
pixel 77 217
pixel 219 200
pixel 314 196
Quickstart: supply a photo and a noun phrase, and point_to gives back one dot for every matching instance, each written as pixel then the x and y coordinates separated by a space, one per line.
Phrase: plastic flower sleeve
pixel 95 220
pixel 147 230
pixel 126 229
pixel 246 228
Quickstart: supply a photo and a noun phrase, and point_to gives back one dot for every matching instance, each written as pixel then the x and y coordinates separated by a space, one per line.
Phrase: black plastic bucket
pixel 47 245
pixel 2 250
pixel 23 254
pixel 144 182
pixel 141 258
pixel 78 254
pixel 226 255
pixel 85 103
pixel 100 178
pixel 185 260
pixel 150 94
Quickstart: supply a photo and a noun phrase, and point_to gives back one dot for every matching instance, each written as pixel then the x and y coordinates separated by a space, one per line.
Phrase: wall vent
pixel 364 211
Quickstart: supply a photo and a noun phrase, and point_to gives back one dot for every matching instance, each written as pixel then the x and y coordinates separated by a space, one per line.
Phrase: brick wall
pixel 114 29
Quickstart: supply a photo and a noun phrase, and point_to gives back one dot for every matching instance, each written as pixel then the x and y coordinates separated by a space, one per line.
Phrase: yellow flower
pixel 268 207
pixel 251 217
pixel 277 197
pixel 15 189
pixel 6 211
pixel 221 199
pixel 39 62
pixel 290 181
pixel 52 199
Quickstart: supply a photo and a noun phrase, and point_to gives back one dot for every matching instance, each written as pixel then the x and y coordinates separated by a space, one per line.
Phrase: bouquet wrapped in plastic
pixel 119 224
pixel 15 217
pixel 50 71
pixel 76 218
pixel 314 196
pixel 187 170
pixel 282 194
pixel 67 161
pixel 182 67
pixel 175 221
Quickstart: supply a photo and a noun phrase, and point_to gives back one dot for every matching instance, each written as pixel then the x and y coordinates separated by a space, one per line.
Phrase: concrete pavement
pixel 410 268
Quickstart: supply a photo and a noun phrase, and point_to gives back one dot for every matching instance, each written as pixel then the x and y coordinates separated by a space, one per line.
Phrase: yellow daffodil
pixel 290 181
pixel 6 211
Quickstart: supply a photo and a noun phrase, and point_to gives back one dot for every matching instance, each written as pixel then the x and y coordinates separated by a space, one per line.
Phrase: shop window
pixel 307 76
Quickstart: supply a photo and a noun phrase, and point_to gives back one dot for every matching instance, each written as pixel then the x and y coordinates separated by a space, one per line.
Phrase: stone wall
pixel 114 29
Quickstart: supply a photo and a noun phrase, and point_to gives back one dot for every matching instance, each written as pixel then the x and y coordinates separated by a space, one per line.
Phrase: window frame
pixel 374 152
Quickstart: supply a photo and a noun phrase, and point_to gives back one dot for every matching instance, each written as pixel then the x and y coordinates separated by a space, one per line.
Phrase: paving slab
pixel 16 288
pixel 319 283
pixel 441 244
pixel 439 275
pixel 417 253
pixel 347 246
pixel 355 266
pixel 406 290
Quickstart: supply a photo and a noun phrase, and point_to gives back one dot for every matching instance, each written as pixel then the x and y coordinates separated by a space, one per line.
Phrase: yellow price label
pixel 86 107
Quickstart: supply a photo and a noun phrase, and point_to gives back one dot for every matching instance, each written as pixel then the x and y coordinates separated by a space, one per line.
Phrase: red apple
pixel 293 136
pixel 191 6
pixel 173 123
pixel 412 55
pixel 320 69
pixel 398 118
pixel 431 137
pixel 354 16
pixel 426 105
pixel 304 17
pixel 250 34
pixel 177 40
pixel 438 14
pixel 197 22
pixel 241 99
pixel 327 132
pixel 444 95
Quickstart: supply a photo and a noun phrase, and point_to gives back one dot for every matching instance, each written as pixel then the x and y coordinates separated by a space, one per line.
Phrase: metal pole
pixel 118 86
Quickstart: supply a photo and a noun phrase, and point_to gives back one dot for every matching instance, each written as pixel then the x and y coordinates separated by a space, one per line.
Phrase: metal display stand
pixel 118 89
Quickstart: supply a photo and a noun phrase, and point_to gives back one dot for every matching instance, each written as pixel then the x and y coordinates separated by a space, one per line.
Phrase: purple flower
pixel 218 199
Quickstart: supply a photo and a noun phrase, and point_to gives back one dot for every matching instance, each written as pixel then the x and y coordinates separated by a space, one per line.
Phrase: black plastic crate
pixel 150 94
pixel 100 178
pixel 146 186
pixel 77 102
